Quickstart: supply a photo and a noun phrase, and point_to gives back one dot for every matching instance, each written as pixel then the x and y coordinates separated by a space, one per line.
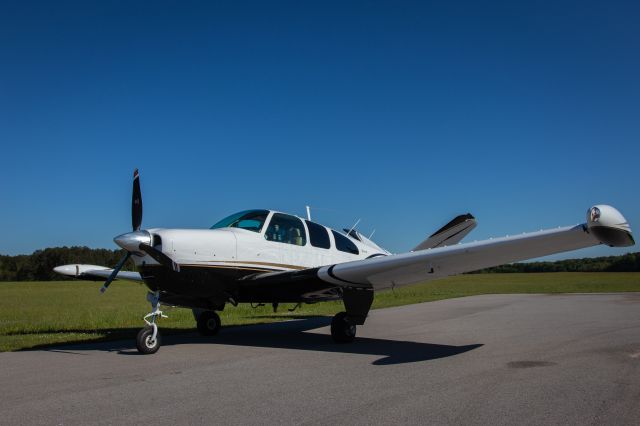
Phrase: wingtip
pixel 609 226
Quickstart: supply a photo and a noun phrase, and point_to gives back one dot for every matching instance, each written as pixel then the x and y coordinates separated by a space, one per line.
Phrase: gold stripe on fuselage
pixel 190 265
pixel 248 262
pixel 244 268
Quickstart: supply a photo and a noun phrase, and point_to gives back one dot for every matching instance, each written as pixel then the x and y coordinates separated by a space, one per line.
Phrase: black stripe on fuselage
pixel 208 286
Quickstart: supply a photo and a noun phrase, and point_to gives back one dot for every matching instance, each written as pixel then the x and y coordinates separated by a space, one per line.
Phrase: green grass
pixel 41 313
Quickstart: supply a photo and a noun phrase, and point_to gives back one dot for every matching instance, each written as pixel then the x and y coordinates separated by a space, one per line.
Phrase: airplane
pixel 266 256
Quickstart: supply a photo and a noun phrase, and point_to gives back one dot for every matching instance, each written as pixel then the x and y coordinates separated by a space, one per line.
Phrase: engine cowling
pixel 609 226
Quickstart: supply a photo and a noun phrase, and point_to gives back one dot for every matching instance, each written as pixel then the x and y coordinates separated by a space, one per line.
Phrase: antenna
pixel 353 227
pixel 308 213
pixel 372 232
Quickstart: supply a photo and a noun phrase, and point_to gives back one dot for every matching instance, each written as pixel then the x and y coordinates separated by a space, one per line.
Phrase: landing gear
pixel 148 340
pixel 342 330
pixel 208 323
pixel 146 343
pixel 357 302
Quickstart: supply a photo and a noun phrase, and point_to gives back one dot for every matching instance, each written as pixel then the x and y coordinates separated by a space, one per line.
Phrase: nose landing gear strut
pixel 148 339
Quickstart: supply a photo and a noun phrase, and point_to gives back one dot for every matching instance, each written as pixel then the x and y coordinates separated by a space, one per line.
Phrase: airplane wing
pixel 94 272
pixel 605 225
pixel 450 234
pixel 425 265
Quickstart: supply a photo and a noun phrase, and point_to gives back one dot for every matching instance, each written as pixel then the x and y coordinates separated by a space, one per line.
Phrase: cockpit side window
pixel 251 220
pixel 318 235
pixel 284 228
pixel 344 244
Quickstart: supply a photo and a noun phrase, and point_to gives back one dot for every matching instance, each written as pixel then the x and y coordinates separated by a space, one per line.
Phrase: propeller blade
pixel 160 257
pixel 113 275
pixel 136 203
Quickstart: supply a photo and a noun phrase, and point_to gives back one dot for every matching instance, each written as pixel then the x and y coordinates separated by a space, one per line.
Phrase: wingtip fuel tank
pixel 609 226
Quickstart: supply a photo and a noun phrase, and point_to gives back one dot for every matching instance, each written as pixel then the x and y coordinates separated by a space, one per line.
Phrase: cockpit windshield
pixel 251 220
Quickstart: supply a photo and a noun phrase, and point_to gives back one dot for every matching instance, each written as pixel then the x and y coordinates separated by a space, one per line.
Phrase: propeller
pixel 136 221
pixel 136 202
pixel 115 271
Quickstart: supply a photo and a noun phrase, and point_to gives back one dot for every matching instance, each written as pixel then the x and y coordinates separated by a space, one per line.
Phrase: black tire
pixel 342 330
pixel 144 343
pixel 208 323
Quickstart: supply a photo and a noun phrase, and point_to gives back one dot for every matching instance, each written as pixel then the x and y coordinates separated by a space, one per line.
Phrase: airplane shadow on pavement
pixel 295 335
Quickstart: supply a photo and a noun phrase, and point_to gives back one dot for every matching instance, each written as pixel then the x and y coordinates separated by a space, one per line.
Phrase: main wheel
pixel 208 323
pixel 342 330
pixel 145 342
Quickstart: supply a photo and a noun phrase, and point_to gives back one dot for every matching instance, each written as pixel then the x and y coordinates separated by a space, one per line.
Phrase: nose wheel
pixel 342 329
pixel 146 343
pixel 148 339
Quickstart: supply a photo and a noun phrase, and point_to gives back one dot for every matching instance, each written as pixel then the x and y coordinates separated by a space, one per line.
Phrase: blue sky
pixel 403 114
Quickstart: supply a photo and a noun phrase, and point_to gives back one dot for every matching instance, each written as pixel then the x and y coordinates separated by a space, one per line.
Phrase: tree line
pixel 39 265
pixel 629 262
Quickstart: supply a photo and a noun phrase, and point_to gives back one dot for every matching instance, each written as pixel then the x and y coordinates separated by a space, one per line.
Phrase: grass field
pixel 42 313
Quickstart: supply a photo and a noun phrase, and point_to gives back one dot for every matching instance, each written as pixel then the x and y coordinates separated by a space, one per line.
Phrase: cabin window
pixel 318 235
pixel 286 229
pixel 251 220
pixel 345 244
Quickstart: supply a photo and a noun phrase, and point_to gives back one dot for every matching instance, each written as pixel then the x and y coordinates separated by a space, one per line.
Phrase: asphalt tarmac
pixel 496 359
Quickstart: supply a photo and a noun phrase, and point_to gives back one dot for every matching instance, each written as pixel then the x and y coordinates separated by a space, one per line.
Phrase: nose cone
pixel 131 241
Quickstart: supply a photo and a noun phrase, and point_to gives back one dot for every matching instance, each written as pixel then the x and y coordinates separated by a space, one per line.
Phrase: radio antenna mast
pixel 308 213
pixel 354 226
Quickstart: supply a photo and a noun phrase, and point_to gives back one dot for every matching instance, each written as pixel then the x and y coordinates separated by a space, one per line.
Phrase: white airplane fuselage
pixel 212 261
pixel 249 250
pixel 239 248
